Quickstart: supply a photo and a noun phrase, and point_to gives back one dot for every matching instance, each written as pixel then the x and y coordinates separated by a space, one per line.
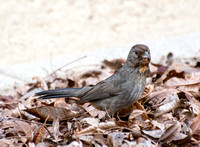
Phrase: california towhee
pixel 116 92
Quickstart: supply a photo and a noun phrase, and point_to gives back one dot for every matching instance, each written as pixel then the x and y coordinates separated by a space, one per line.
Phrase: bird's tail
pixel 59 93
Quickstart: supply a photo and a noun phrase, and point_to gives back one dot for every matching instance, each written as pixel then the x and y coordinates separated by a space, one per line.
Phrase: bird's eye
pixel 135 53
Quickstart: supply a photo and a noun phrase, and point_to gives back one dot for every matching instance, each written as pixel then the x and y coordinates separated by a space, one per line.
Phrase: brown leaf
pixel 6 113
pixel 93 111
pixel 174 73
pixel 107 125
pixel 5 98
pixel 91 73
pixel 53 112
pixel 42 82
pixel 6 142
pixel 161 69
pixel 138 105
pixel 88 130
pixel 195 126
pixel 56 131
pixel 154 133
pixel 90 121
pixel 88 139
pixel 135 113
pixel 90 81
pixel 189 96
pixel 147 91
pixel 170 133
pixel 163 101
pixel 169 103
pixel 20 127
pixel 41 131
pixel 115 64
pixel 141 141
pixel 9 106
pixel 116 139
pixel 175 82
pixel 100 139
pixel 159 95
pixel 101 126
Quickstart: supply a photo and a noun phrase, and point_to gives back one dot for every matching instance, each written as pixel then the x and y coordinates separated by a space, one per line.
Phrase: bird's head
pixel 139 57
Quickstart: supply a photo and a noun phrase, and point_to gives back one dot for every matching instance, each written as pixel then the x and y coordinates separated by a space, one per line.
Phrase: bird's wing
pixel 102 90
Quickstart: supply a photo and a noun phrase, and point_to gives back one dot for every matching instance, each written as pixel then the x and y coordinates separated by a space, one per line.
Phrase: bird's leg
pixel 116 116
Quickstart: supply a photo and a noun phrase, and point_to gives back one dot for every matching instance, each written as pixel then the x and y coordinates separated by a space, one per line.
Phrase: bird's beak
pixel 146 56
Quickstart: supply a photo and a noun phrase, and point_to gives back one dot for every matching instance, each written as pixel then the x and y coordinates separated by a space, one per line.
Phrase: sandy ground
pixel 37 29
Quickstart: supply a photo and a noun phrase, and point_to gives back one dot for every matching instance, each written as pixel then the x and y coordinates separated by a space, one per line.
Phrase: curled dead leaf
pixel 147 91
pixel 163 101
pixel 169 103
pixel 88 130
pixel 100 126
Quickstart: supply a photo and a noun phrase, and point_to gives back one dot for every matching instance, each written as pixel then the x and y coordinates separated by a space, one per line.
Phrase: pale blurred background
pixel 38 29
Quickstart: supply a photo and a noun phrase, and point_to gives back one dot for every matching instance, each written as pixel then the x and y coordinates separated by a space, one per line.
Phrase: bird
pixel 117 92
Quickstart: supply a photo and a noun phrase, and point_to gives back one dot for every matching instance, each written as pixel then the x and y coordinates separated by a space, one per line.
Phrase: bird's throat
pixel 143 68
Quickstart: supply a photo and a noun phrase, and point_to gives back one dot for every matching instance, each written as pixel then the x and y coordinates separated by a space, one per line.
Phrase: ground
pixel 37 29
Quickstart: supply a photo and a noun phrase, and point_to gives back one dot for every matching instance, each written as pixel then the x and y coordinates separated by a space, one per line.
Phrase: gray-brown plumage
pixel 116 92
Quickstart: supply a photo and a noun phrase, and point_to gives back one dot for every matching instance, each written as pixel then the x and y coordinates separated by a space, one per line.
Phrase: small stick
pixel 65 65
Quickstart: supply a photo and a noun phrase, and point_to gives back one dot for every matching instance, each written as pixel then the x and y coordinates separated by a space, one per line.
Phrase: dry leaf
pixel 56 131
pixel 144 142
pixel 88 139
pixel 157 96
pixel 20 127
pixel 116 139
pixel 195 126
pixel 53 113
pixel 156 134
pixel 91 121
pixel 115 64
pixel 42 82
pixel 174 73
pixel 4 98
pixel 135 113
pixel 147 91
pixel 169 103
pixel 170 133
pixel 88 130
pixel 93 111
pixel 40 133
pixel 100 126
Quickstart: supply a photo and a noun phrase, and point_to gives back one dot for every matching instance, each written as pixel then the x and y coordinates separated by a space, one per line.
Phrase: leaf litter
pixel 167 114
